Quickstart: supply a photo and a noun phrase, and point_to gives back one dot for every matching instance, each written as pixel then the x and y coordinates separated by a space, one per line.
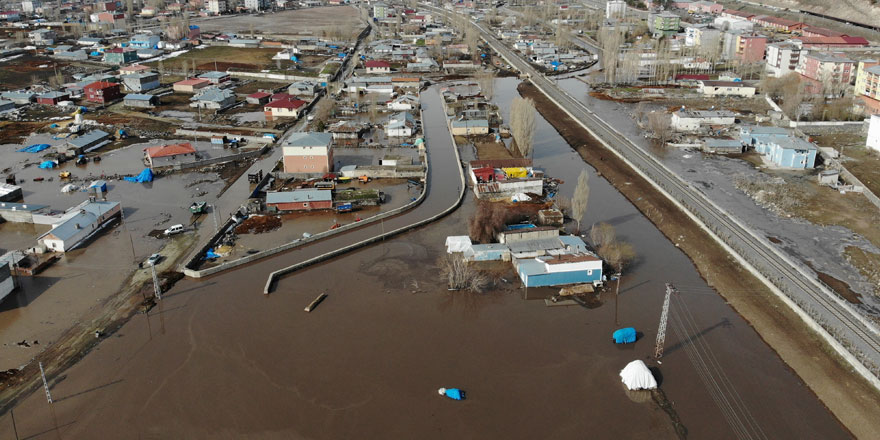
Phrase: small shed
pixel 98 186
pixel 829 177
pixel 258 98
pixel 140 100
pixel 550 217
pixel 722 146
pixel 457 243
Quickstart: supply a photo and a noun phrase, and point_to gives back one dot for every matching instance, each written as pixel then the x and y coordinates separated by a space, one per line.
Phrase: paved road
pixel 800 284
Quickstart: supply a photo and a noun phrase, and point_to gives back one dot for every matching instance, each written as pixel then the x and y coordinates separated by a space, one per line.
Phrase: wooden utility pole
pixel 661 331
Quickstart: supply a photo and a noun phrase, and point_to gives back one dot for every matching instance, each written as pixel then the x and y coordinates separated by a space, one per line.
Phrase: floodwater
pixel 218 358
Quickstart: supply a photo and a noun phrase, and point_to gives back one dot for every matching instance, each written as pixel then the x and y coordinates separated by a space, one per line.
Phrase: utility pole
pixel 45 383
pixel 156 288
pixel 661 331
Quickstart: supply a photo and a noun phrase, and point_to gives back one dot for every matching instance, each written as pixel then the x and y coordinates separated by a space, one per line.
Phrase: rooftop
pixel 170 150
pixel 89 212
pixel 299 195
pixel 88 138
pixel 309 139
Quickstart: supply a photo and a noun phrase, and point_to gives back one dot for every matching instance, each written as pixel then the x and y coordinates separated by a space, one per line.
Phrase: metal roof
pixel 89 138
pixel 88 214
pixel 309 139
pixel 299 196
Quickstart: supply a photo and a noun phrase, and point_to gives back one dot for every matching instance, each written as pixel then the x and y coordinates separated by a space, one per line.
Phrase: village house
pixel 299 200
pixel 284 107
pixel 501 179
pixel 141 82
pixel 120 56
pixel 469 127
pixel 144 41
pixel 377 67
pixel 695 120
pixel 308 152
pixel 78 224
pixel 191 85
pixel 560 270
pixel 84 143
pixel 213 98
pixel 400 125
pixel 215 77
pixel 102 92
pixel 139 100
pixel 42 37
pixel 52 98
pixel 345 132
pixel 20 97
pixel 779 147
pixel 304 88
pixel 257 98
pixel 134 68
pixel 169 155
pixel 403 102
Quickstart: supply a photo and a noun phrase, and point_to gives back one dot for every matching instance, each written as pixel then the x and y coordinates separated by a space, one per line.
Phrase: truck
pixel 197 208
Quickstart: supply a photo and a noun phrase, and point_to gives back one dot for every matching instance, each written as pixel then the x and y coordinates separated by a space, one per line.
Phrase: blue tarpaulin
pixel 145 176
pixel 210 255
pixel 36 148
pixel 452 393
pixel 48 164
pixel 624 336
pixel 341 55
pixel 294 59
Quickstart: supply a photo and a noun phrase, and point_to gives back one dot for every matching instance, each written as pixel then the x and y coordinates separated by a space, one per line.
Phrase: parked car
pixel 154 259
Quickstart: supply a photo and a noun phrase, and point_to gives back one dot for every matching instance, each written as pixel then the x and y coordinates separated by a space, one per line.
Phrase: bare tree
pixel 792 95
pixel 323 109
pixel 486 81
pixel 523 124
pixel 602 234
pixel 611 39
pixel 581 198
pixel 487 220
pixel 661 126
pixel 618 254
pixel 459 275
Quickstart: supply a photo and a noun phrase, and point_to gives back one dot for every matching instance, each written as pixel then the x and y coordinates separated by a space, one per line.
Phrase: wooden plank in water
pixel 579 289
pixel 315 302
pixel 560 303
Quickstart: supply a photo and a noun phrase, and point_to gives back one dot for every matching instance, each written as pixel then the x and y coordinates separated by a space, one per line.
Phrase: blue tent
pixel 624 336
pixel 145 176
pixel 36 148
pixel 48 164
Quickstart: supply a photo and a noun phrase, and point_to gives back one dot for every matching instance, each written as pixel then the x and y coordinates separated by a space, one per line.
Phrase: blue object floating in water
pixel 624 335
pixel 36 148
pixel 452 393
pixel 145 176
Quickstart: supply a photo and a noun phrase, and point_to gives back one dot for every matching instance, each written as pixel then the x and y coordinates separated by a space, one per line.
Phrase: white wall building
pixel 257 5
pixel 216 6
pixel 615 9
pixel 30 6
pixel 693 120
pixel 782 58
pixel 874 133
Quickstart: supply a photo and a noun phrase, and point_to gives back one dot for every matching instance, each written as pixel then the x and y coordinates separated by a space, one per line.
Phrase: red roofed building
pixel 831 42
pixel 814 31
pixel 374 66
pixel 284 108
pixel 258 98
pixel 165 155
pixel 191 85
pixel 733 13
pixel 102 92
pixel 782 24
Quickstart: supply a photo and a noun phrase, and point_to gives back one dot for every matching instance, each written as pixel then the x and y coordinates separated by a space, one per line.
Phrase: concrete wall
pixel 212 161
pixel 209 134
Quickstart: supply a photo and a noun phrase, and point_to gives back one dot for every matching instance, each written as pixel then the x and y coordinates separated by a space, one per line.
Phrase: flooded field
pixel 219 358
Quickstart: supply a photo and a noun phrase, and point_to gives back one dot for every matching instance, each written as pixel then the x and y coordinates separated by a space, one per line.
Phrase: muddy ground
pixel 848 396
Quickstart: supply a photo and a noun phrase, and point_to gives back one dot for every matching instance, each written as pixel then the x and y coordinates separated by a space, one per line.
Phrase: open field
pixel 221 58
pixel 313 21
pixel 24 70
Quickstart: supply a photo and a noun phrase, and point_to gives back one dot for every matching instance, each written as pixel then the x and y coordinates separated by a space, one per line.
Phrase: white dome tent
pixel 637 376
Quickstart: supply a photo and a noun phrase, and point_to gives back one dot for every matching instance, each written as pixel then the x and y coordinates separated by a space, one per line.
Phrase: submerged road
pixel 444 191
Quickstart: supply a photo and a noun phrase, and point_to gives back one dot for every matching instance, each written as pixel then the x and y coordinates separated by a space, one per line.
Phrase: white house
pixel 874 133
pixel 403 102
pixel 694 120
pixel 79 223
pixel 400 125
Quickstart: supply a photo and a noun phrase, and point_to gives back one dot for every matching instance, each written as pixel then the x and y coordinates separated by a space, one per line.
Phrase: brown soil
pixel 258 224
pixel 17 132
pixel 848 396
pixel 226 65
pixel 606 97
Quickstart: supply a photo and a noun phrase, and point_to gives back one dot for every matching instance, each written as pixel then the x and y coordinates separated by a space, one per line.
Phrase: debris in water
pixel 452 393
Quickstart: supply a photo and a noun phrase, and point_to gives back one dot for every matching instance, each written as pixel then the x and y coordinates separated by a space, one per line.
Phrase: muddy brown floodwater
pixel 217 358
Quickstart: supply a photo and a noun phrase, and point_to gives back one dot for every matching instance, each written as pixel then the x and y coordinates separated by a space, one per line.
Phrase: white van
pixel 176 229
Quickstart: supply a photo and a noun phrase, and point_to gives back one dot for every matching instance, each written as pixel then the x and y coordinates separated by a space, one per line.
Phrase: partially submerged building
pixel 79 223
pixel 504 178
pixel 299 200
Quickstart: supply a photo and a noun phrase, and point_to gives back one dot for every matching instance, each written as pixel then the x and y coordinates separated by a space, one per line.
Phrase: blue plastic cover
pixel 145 176
pixel 36 148
pixel 47 164
pixel 341 55
pixel 210 255
pixel 455 394
pixel 624 336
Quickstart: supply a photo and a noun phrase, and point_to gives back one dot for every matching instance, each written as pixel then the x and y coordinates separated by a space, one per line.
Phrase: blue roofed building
pixel 779 147
pixel 78 224
pixel 143 41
